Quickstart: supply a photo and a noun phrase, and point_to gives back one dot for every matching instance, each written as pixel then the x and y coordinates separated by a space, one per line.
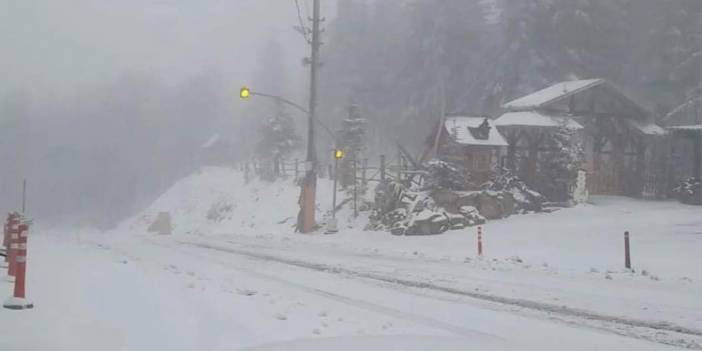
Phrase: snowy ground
pixel 547 282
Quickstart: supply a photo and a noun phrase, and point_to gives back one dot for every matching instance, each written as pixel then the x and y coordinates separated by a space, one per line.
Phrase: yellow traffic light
pixel 338 154
pixel 244 93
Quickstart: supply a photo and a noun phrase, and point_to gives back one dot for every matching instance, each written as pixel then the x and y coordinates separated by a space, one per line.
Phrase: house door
pixel 605 177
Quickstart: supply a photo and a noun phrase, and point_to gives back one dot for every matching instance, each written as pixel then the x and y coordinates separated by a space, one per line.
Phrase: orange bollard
pixel 18 301
pixel 480 241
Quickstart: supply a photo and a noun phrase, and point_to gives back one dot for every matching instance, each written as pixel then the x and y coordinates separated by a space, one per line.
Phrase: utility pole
pixel 306 219
pixel 355 184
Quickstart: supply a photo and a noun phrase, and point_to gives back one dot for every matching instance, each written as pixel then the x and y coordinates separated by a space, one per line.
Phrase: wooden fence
pixel 398 169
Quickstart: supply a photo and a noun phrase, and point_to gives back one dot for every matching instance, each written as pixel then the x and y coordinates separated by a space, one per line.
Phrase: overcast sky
pixel 58 45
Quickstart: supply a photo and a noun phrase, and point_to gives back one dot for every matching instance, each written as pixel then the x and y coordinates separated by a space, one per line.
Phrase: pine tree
pixel 278 139
pixel 559 167
pixel 677 50
pixel 352 140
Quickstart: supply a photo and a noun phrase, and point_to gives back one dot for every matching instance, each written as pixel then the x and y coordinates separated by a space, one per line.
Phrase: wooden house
pixel 619 136
pixel 472 142
pixel 685 124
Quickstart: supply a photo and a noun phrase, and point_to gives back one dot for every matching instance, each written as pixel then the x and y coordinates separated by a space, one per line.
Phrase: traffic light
pixel 338 154
pixel 244 93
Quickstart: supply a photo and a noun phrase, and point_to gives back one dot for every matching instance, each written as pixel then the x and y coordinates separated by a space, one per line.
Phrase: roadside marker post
pixel 627 254
pixel 480 241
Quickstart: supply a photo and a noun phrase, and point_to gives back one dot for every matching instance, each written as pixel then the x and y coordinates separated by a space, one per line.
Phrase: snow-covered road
pixel 176 293
pixel 234 275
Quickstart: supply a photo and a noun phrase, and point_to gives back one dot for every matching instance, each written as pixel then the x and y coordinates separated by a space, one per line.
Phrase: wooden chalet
pixel 685 125
pixel 619 136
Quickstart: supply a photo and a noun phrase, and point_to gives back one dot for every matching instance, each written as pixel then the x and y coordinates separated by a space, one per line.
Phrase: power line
pixel 306 9
pixel 303 28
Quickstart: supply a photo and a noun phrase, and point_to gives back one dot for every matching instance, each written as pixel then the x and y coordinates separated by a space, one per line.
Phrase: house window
pixel 468 161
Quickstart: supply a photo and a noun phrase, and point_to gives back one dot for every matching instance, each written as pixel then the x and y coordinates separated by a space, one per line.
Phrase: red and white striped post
pixel 18 301
pixel 13 224
pixel 480 241
pixel 6 238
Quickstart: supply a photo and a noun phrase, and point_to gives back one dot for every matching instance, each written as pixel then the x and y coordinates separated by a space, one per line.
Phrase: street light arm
pixel 281 99
pixel 290 103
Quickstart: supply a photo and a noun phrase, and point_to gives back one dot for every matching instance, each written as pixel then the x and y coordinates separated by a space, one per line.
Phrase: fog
pixel 61 46
pixel 104 104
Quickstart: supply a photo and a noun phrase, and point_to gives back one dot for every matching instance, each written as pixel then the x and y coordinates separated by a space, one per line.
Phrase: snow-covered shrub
pixel 444 175
pixel 220 211
pixel 525 198
pixel 388 194
pixel 689 191
pixel 472 216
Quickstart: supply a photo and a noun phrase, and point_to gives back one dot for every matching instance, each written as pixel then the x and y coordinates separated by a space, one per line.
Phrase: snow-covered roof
pixel 647 128
pixel 690 106
pixel 552 93
pixel 690 127
pixel 535 119
pixel 457 126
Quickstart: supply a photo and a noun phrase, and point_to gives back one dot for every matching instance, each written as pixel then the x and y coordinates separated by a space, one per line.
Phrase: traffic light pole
pixel 306 220
pixel 336 171
pixel 280 99
pixel 332 225
pixel 296 106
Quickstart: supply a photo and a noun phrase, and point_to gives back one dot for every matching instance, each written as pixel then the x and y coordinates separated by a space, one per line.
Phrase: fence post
pixel 382 168
pixel 627 256
pixel 399 165
pixel 355 186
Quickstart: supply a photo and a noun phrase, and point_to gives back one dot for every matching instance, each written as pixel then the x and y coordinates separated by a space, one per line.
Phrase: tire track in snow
pixel 521 303
pixel 373 307
pixel 361 304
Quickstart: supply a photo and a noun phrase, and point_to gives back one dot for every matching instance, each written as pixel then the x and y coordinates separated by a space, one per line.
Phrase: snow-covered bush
pixel 689 191
pixel 444 175
pixel 220 211
pixel 525 198
pixel 405 212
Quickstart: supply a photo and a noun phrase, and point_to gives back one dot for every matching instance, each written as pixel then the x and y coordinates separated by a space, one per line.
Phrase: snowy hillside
pixel 218 200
